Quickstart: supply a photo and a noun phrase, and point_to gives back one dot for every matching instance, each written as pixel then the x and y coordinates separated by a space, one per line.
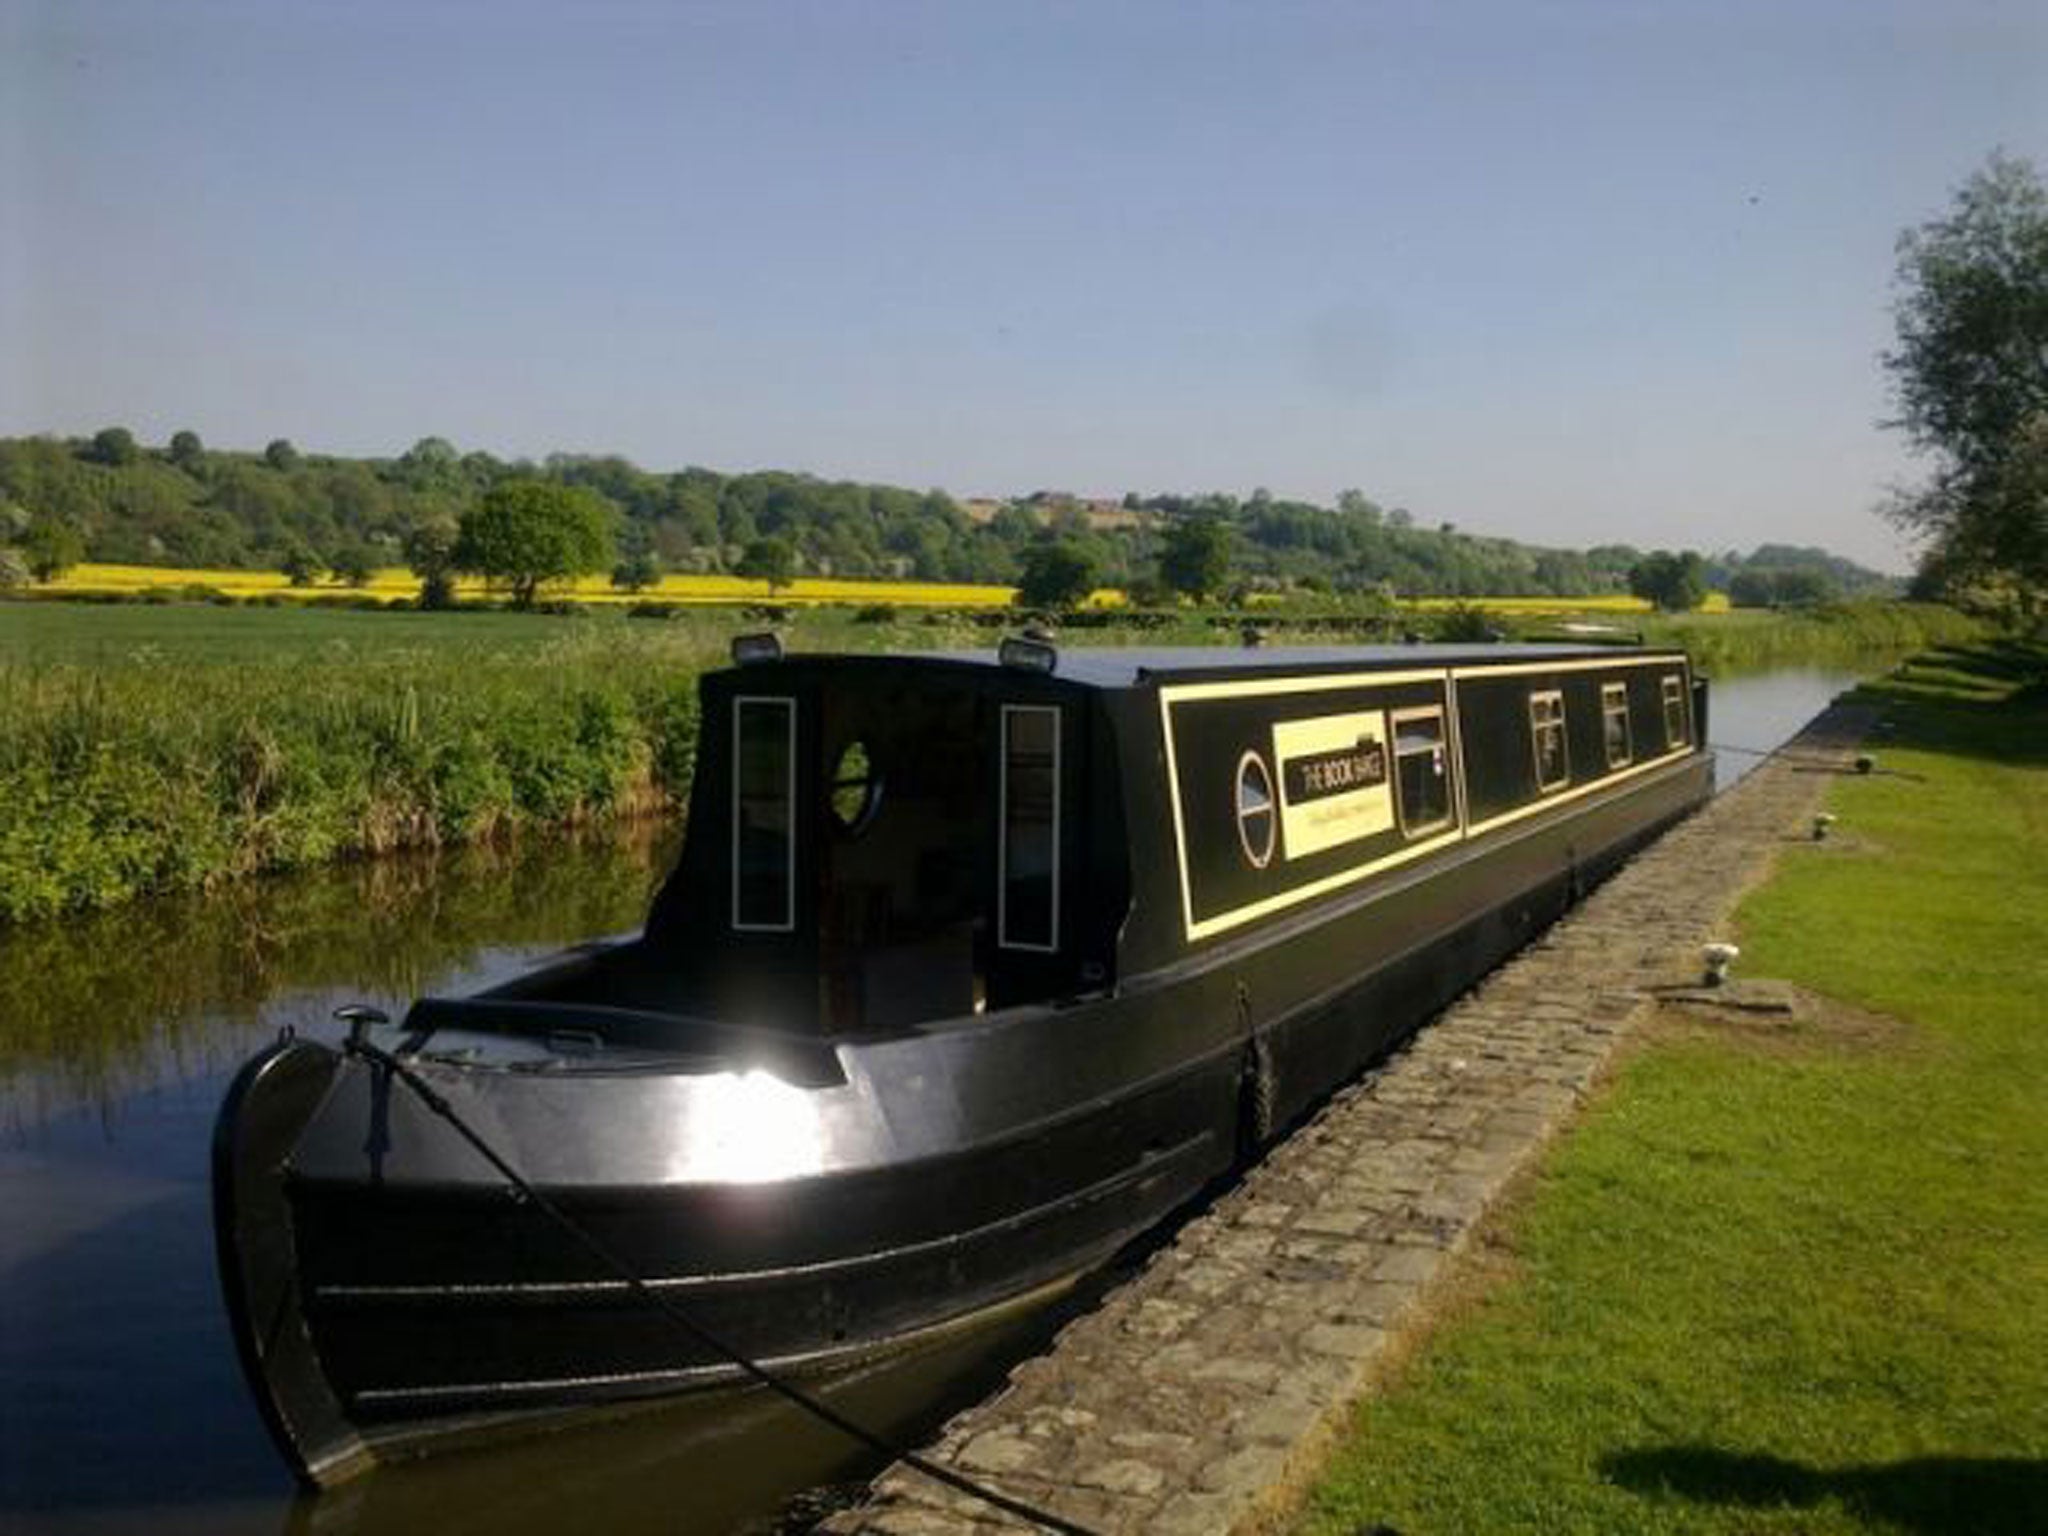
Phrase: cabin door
pixel 1035 829
pixel 897 829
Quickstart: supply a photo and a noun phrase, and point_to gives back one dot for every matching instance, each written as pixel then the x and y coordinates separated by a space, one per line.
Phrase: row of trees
pixel 110 498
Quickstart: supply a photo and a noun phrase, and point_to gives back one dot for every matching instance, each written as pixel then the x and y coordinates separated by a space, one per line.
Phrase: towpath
pixel 1202 1395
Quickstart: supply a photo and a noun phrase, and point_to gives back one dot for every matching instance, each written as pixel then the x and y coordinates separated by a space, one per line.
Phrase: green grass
pixel 172 749
pixel 166 747
pixel 1802 1285
pixel 1868 634
pixel 119 633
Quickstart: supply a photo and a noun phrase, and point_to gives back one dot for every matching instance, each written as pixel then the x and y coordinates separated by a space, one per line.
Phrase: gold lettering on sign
pixel 1333 780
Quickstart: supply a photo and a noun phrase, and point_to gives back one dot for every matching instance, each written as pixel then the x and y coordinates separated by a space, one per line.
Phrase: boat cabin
pixel 881 843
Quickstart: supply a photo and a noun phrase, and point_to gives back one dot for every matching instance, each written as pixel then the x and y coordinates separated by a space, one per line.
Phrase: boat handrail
pixel 804 1060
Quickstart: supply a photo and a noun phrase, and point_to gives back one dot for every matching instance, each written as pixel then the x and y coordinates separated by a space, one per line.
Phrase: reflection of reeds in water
pixel 103 1005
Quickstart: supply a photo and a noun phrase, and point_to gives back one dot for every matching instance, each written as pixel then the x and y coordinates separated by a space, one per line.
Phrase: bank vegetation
pixel 165 748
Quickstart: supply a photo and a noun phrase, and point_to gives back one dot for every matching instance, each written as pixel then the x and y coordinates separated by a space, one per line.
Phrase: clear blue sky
pixel 1571 272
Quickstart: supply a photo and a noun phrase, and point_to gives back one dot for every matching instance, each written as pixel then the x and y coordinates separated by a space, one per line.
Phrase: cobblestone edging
pixel 1200 1396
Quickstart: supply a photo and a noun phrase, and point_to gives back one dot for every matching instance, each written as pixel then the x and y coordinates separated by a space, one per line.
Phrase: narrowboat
pixel 972 969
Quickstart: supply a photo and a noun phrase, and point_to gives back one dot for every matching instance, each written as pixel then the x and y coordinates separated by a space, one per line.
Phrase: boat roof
pixel 1128 666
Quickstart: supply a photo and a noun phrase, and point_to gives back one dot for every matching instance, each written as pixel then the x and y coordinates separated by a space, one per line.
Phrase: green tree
pixel 771 560
pixel 1970 375
pixel 430 464
pixel 1057 574
pixel 280 455
pixel 1672 583
pixel 525 533
pixel 1195 559
pixel 1464 624
pixel 430 552
pixel 1355 504
pixel 52 546
pixel 300 566
pixel 1800 589
pixel 1751 589
pixel 636 573
pixel 112 446
pixel 354 564
pixel 187 452
pixel 14 571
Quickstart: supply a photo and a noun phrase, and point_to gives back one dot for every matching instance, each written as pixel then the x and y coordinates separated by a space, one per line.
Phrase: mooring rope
pixel 1861 764
pixel 776 1383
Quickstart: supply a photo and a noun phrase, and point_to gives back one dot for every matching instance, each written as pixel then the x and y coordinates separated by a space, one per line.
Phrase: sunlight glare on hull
pixel 748 1128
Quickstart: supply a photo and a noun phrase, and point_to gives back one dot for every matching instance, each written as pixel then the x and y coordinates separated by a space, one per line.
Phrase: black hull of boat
pixel 387 1288
pixel 572 1334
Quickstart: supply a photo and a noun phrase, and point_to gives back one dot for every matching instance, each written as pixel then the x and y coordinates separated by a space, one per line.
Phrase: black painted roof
pixel 1125 666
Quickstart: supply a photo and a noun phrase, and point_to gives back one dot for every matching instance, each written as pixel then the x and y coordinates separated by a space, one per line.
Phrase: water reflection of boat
pixel 639 1469
pixel 971 970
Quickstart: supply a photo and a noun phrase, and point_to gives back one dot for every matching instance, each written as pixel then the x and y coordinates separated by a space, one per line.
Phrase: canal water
pixel 1750 714
pixel 121 1403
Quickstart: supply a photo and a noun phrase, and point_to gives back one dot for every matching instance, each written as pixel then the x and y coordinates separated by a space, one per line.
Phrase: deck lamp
pixel 1028 652
pixel 1718 957
pixel 1821 823
pixel 747 650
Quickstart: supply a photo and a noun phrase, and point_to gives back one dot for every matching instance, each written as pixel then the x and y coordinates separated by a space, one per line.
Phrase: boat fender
pixel 1258 1092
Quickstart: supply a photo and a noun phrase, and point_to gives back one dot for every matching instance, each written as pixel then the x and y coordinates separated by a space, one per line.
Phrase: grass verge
pixel 1802 1284
pixel 223 744
pixel 1860 633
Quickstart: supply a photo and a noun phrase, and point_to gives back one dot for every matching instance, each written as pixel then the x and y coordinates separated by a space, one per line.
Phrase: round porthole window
pixel 856 789
pixel 1257 820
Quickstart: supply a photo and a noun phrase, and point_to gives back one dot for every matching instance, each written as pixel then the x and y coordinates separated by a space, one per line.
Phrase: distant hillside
pixel 188 505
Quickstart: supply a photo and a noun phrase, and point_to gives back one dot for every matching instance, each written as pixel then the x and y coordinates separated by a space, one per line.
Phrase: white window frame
pixel 1614 700
pixel 1450 815
pixel 1253 857
pixel 1672 686
pixel 1003 939
pixel 1536 729
pixel 788 706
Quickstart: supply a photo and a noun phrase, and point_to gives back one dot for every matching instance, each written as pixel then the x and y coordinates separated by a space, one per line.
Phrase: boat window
pixel 1422 771
pixel 856 789
pixel 1674 712
pixel 1614 724
pixel 1546 726
pixel 1256 823
pixel 1028 912
pixel 764 814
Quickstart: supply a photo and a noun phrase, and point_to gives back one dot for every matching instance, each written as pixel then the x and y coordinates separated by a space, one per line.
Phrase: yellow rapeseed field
pixel 397 581
pixel 1717 602
pixel 712 591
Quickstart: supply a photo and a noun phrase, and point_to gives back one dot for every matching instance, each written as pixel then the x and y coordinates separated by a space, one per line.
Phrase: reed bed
pixel 1862 635
pixel 145 771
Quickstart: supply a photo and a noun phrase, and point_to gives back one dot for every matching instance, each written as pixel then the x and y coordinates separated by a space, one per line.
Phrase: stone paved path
pixel 1203 1395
